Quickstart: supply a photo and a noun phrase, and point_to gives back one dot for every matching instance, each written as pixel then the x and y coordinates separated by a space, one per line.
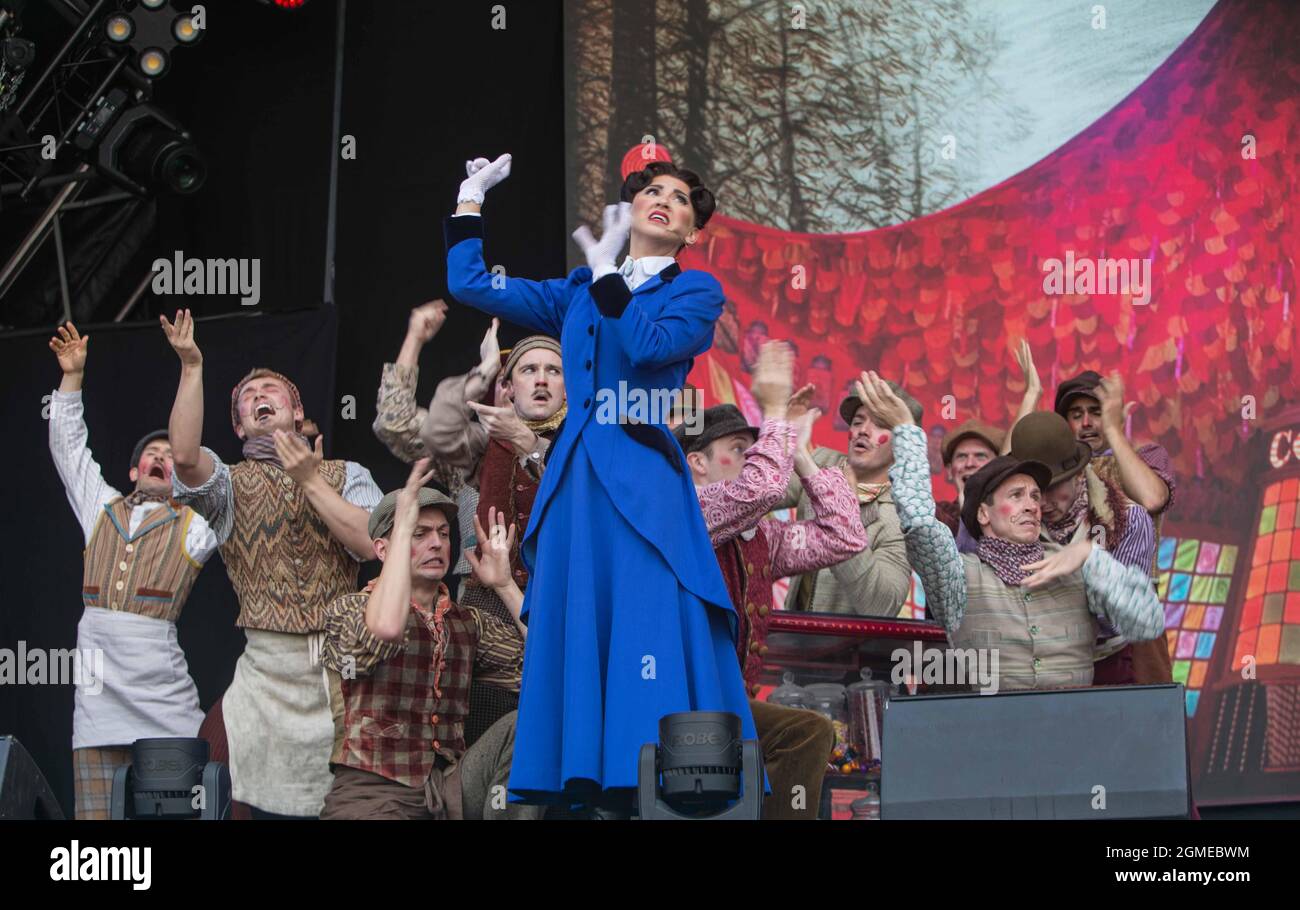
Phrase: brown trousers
pixel 796 745
pixel 475 788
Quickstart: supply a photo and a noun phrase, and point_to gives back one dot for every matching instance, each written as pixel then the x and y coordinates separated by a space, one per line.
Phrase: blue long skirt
pixel 614 643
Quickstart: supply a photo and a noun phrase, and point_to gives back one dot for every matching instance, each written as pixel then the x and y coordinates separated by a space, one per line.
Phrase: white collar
pixel 637 272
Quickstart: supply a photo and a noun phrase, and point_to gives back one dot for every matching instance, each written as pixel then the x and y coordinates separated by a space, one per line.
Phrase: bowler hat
pixel 1045 436
pixel 987 479
pixel 719 420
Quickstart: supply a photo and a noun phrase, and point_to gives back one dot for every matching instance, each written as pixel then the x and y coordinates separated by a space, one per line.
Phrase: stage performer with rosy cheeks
pixel 143 554
pixel 628 614
pixel 293 528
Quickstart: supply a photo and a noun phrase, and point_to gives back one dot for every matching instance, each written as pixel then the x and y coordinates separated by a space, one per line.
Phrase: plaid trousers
pixel 92 778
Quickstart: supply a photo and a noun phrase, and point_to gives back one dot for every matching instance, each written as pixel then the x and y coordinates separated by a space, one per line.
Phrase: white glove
pixel 482 175
pixel 602 253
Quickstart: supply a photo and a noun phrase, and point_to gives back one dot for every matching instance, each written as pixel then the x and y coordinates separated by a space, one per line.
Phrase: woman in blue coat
pixel 628 615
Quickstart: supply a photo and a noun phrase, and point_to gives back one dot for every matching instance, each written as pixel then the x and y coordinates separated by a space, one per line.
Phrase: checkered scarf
pixel 1005 558
pixel 1063 528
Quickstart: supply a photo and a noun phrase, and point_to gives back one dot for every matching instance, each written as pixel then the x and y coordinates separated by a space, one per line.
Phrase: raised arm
pixel 448 432
pixel 537 305
pixel 832 536
pixel 1141 484
pixel 931 550
pixel 397 416
pixel 1033 389
pixel 389 605
pixel 83 481
pixel 190 463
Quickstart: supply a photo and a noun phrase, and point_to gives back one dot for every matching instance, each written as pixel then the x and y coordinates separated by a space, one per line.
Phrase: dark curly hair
pixel 702 201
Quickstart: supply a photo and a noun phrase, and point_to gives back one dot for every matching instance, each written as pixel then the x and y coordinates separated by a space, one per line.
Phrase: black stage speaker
pixel 1108 752
pixel 23 790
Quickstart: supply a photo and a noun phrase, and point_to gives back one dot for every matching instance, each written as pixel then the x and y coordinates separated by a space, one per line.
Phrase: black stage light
pixel 697 769
pixel 18 53
pixel 171 778
pixel 144 149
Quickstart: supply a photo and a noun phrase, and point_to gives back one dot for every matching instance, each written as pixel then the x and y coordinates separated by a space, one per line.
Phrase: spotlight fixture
pixel 144 149
pixel 119 29
pixel 184 31
pixel 153 62
pixel 152 32
pixel 284 4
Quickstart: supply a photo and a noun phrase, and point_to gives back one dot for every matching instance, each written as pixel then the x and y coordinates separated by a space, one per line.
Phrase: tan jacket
pixel 874 582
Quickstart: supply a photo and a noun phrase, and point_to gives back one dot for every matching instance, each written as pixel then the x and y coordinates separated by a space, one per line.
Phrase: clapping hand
pixel 601 254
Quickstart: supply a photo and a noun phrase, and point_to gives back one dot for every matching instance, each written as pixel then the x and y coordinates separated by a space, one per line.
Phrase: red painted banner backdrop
pixel 1195 172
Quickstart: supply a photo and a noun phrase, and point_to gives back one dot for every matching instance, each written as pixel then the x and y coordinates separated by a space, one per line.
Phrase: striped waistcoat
pixel 1044 638
pixel 149 573
pixel 283 562
pixel 397 719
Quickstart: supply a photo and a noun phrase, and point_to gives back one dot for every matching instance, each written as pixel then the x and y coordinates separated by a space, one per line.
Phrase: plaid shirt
pixel 398 706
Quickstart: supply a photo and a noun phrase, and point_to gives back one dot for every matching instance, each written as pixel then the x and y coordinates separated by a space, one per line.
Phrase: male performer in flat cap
pixel 399 419
pixel 1094 407
pixel 293 529
pixel 1036 603
pixel 967 449
pixel 876 580
pixel 740 472
pixel 501 456
pixel 143 554
pixel 400 655
pixel 1080 504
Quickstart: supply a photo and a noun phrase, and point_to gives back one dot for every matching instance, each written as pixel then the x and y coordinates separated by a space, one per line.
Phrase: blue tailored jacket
pixel 647 339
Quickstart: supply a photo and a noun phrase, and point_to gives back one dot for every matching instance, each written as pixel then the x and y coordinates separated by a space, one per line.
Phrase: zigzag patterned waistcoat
pixel 148 574
pixel 283 562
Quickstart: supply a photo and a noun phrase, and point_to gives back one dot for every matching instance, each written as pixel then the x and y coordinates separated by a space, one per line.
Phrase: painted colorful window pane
pixel 1194 578
pixel 1268 629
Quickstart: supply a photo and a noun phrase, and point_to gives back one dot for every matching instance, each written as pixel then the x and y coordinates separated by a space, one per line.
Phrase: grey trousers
pixel 485 771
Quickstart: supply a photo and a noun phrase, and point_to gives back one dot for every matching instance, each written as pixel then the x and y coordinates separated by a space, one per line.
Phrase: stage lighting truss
pixel 83 111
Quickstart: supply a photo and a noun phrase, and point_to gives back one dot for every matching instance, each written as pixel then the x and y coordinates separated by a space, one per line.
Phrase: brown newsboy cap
pixel 989 434
pixel 381 519
pixel 1045 436
pixel 849 406
pixel 987 479
pixel 1084 384
pixel 719 420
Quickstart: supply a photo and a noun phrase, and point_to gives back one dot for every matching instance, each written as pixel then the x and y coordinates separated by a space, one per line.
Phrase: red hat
pixel 641 154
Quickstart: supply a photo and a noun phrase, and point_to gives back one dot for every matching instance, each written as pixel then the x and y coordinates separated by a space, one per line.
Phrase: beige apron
pixel 278 724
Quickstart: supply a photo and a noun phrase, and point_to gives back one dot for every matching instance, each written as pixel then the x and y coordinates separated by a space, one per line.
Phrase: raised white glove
pixel 482 175
pixel 601 254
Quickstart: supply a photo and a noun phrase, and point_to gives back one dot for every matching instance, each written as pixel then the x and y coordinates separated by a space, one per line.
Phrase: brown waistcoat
pixel 148 574
pixel 283 562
